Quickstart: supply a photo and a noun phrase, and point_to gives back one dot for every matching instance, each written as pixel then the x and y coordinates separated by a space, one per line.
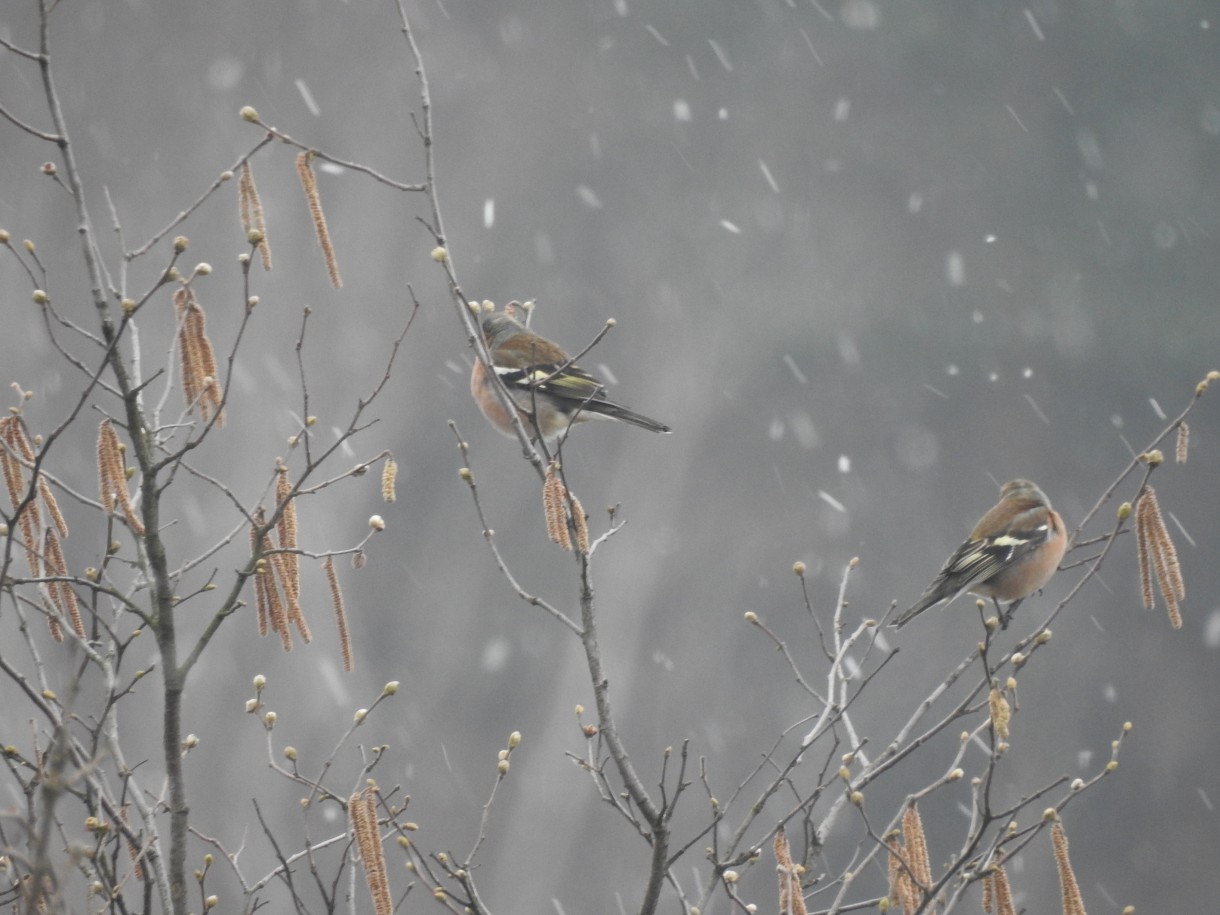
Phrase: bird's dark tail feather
pixel 614 411
pixel 904 618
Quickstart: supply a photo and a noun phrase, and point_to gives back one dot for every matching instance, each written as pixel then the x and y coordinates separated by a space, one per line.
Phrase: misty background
pixel 868 259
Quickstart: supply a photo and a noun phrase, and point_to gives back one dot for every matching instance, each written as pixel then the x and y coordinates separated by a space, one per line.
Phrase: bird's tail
pixel 614 411
pixel 928 600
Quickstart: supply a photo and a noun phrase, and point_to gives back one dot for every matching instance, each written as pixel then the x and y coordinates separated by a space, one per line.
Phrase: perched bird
pixel 541 379
pixel 1011 553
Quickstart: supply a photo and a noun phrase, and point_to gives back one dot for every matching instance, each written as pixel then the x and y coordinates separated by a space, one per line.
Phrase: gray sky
pixel 868 259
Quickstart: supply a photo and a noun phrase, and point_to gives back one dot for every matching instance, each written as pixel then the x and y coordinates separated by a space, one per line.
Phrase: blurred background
pixel 869 259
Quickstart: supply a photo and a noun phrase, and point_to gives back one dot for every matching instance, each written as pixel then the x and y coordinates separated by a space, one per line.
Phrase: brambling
pixel 542 380
pixel 1011 553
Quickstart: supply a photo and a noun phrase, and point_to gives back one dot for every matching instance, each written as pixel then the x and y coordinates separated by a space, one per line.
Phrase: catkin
pixel 389 475
pixel 336 595
pixel 553 493
pixel 310 185
pixel 791 895
pixel 252 212
pixel 1073 903
pixel 362 815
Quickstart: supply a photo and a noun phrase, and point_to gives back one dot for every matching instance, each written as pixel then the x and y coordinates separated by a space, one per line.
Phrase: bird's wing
pixel 572 383
pixel 978 560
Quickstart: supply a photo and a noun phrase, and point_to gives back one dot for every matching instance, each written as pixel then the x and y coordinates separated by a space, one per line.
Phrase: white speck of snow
pixel 831 501
pixel 989 238
pixel 720 55
pixel 776 431
pixel 1182 530
pixel 844 464
pixel 1156 409
pixel 224 74
pixel 1083 758
pixel 543 249
pixel 915 202
pixel 842 109
pixel 489 212
pixel 1090 148
pixel 1164 235
pixel 723 114
pixel 307 97
pixel 1205 24
pixel 331 168
pixel 955 268
pixel 690 65
pixel 795 369
pixel 804 430
pixel 849 352
pixel 952 370
pixel 604 372
pixel 681 110
pixel 862 15
pixel 1211 630
pixel 1109 692
pixel 1033 24
pixel 595 145
pixel 993 377
pixel 662 660
pixel 937 391
pixel 495 655
pixel 1210 120
pixel 1207 801
pixel 620 7
pixel 812 50
pixel 762 166
pixel 345 443
pixel 657 35
pixel 589 197
pixel 821 9
pixel 977 316
pixel 335 684
pixel 1013 111
pixel 1037 409
pixel 1116 420
pixel 730 227
pixel 1090 191
pixel 1067 106
pixel 1027 372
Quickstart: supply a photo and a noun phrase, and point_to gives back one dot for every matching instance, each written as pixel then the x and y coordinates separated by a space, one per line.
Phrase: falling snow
pixel 955 268
pixel 720 55
pixel 768 176
pixel 307 98
pixel 1033 24
pixel 862 15
pixel 589 197
pixel 1211 630
pixel 831 501
pixel 795 369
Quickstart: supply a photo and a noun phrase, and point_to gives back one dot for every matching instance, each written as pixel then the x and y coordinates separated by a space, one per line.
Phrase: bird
pixel 1012 552
pixel 551 392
